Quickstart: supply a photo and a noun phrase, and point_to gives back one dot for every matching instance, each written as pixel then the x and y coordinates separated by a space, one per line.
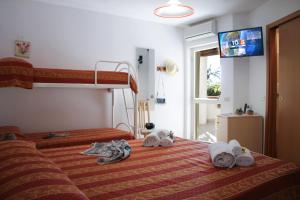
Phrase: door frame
pixel 270 126
pixel 196 100
pixel 190 49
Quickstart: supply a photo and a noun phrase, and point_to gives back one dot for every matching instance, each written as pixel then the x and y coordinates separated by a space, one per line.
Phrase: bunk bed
pixel 45 77
pixel 15 72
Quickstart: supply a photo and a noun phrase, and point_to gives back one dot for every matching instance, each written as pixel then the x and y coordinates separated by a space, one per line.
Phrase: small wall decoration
pixel 22 48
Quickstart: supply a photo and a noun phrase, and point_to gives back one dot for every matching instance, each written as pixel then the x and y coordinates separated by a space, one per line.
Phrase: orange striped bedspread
pixel 16 72
pixel 77 137
pixel 43 75
pixel 27 175
pixel 183 171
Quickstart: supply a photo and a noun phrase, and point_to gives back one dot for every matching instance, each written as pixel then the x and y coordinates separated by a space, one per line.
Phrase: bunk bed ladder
pixel 132 128
pixel 131 71
pixel 126 107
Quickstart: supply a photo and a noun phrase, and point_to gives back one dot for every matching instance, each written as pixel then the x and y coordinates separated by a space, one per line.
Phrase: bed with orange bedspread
pixel 16 72
pixel 183 171
pixel 43 75
pixel 77 137
pixel 27 175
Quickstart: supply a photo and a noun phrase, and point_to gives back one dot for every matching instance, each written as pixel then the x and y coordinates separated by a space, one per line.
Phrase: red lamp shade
pixel 173 9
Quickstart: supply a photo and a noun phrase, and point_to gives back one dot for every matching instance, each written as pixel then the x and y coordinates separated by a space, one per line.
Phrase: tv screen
pixel 239 43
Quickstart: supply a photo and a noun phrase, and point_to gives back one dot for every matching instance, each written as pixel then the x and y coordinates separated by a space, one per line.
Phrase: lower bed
pixel 183 171
pixel 77 137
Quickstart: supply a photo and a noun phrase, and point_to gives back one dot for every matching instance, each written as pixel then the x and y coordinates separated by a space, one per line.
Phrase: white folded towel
pixel 152 140
pixel 166 142
pixel 245 159
pixel 236 147
pixel 221 155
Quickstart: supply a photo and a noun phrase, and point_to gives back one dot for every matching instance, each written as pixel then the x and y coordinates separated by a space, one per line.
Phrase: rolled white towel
pixel 245 159
pixel 236 147
pixel 152 140
pixel 163 133
pixel 221 155
pixel 165 142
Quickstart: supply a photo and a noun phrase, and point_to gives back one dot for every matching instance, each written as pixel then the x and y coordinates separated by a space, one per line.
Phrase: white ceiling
pixel 143 9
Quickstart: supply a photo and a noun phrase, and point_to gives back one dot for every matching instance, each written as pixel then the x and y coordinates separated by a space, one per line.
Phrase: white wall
pixel 262 16
pixel 234 71
pixel 241 67
pixel 244 79
pixel 71 38
pixel 225 23
pixel 241 82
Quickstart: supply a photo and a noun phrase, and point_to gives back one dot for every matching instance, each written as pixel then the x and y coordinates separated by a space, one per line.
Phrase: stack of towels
pixel 159 138
pixel 230 154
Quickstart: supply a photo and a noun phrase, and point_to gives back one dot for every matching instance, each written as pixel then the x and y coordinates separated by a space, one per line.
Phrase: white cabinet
pixel 247 129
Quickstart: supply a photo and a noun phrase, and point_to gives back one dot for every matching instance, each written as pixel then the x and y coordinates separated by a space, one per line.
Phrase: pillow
pixel 27 174
pixel 7 131
pixel 16 72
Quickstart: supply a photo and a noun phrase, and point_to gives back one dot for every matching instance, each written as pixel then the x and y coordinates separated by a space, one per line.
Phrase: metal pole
pixel 112 108
pixel 135 115
pixel 126 108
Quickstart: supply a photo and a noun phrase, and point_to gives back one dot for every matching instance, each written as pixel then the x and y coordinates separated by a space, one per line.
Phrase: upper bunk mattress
pixel 183 171
pixel 43 75
pixel 15 72
pixel 77 137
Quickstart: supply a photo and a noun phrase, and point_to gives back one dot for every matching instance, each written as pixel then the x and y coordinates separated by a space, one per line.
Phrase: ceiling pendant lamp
pixel 173 9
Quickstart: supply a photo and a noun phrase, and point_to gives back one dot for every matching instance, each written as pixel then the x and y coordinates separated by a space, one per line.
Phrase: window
pixel 213 76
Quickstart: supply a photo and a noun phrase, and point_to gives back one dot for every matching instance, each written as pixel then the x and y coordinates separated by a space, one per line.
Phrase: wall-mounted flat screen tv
pixel 240 43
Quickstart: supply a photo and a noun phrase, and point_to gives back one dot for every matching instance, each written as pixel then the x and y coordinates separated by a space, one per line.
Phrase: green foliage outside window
pixel 213 84
pixel 214 90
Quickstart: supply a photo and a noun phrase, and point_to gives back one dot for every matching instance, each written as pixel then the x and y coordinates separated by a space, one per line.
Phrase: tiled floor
pixel 206 132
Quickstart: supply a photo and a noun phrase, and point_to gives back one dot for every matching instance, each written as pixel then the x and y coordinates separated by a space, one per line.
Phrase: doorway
pixel 282 137
pixel 207 90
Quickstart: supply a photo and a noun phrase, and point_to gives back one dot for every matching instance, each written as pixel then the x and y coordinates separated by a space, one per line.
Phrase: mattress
pixel 183 171
pixel 77 137
pixel 15 72
pixel 43 75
